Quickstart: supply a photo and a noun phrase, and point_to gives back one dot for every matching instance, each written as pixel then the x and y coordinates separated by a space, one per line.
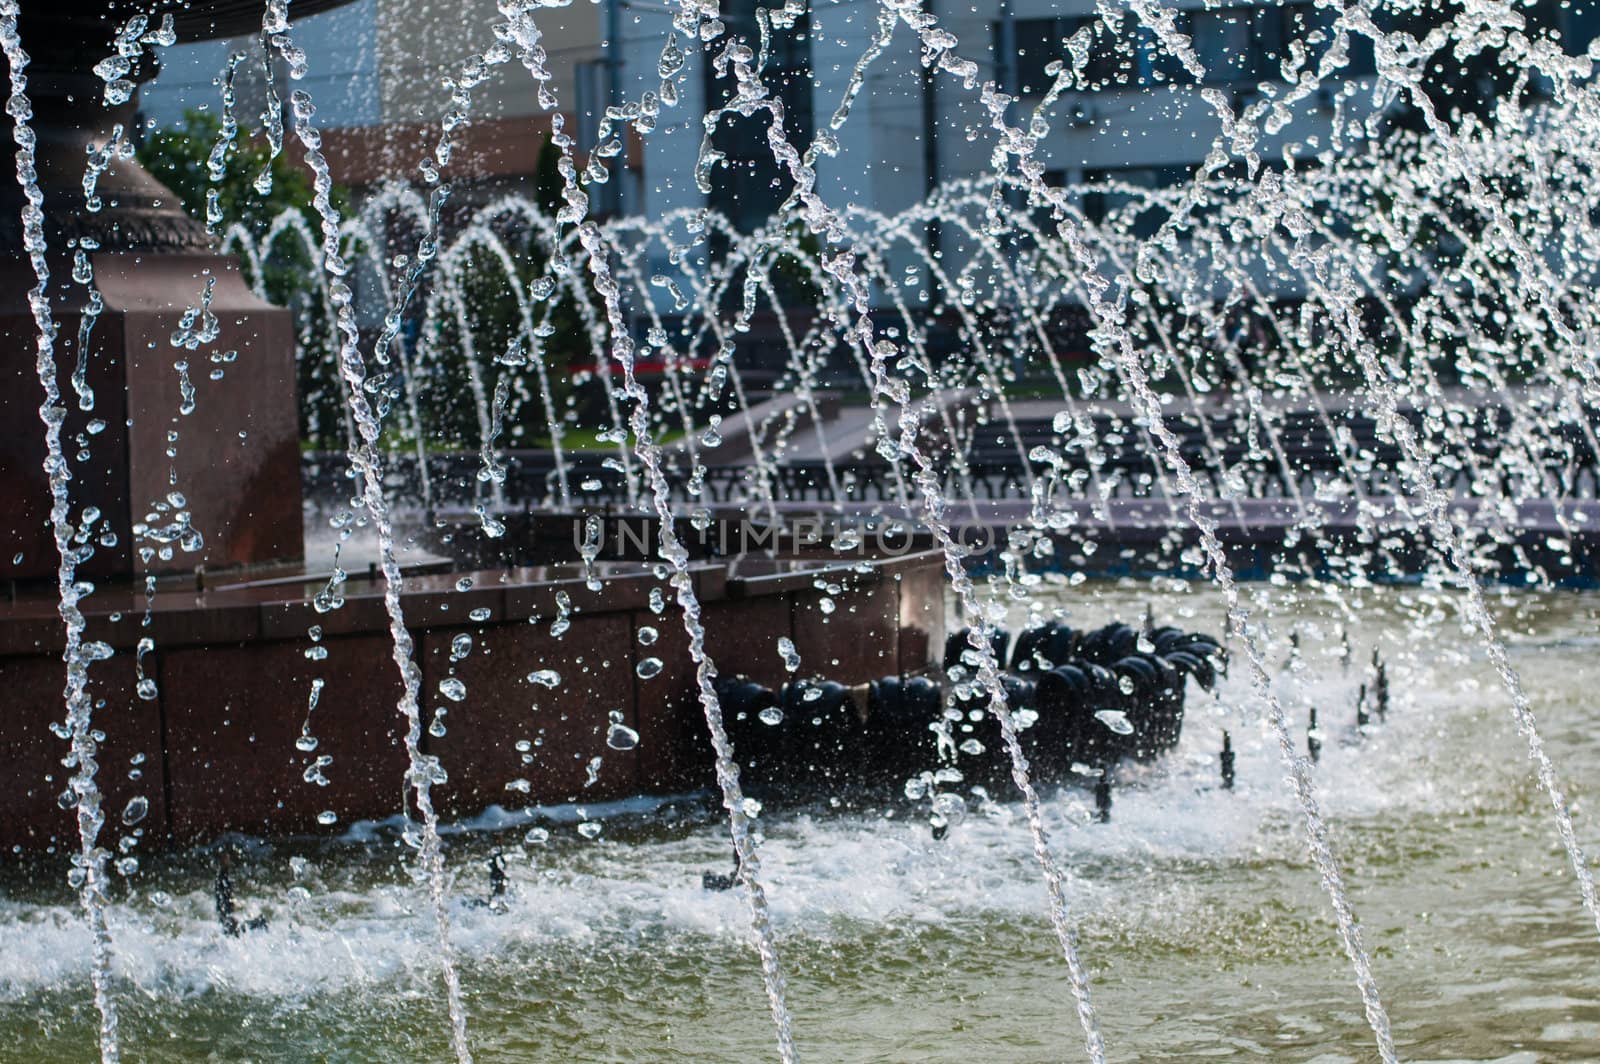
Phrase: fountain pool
pixel 1207 930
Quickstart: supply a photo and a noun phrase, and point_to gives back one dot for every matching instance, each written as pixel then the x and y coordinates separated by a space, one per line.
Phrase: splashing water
pixel 1137 422
pixel 88 874
pixel 424 769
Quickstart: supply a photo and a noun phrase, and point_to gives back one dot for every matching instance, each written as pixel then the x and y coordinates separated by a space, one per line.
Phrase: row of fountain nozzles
pixel 1380 700
pixel 1380 687
pixel 1080 701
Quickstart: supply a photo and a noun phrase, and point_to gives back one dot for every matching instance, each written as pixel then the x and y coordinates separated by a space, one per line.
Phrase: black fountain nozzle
pixel 1380 687
pixel 1227 761
pixel 1346 654
pixel 740 694
pixel 1362 720
pixel 894 741
pixel 818 738
pixel 498 880
pixel 1044 646
pixel 941 830
pixel 908 698
pixel 1102 800
pixel 1067 700
pixel 499 885
pixel 1314 738
pixel 754 729
pixel 222 895
pixel 717 881
pixel 959 641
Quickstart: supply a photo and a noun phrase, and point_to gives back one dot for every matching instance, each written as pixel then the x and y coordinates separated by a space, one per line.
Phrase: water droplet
pixel 590 829
pixel 772 715
pixel 326 817
pixel 136 809
pixel 826 605
pixel 648 636
pixel 545 678
pixel 481 614
pixel 537 836
pixel 563 619
pixel 648 668
pixel 790 655
pixel 950 806
pixel 460 646
pixel 1116 720
pixel 622 737
pixel 453 689
pixel 313 771
pixel 972 746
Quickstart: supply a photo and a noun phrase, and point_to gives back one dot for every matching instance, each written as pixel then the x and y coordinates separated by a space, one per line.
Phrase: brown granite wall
pixel 235 669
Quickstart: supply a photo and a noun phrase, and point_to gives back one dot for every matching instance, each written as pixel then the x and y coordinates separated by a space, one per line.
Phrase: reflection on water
pixel 1207 933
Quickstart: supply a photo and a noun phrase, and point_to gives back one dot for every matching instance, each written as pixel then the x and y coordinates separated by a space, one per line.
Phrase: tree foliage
pixel 178 157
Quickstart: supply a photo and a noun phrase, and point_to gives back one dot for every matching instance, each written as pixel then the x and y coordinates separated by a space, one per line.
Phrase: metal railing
pixel 1312 464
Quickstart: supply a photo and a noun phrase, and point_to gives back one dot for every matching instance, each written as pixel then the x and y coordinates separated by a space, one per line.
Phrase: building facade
pixel 378 72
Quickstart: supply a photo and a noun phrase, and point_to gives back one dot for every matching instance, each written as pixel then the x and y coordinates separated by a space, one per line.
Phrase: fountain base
pixel 233 459
pixel 216 750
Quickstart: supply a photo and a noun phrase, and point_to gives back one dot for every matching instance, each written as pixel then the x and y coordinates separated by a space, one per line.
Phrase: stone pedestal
pixel 234 457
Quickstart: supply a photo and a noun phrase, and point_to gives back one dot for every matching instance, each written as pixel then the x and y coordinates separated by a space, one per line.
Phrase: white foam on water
pixel 829 874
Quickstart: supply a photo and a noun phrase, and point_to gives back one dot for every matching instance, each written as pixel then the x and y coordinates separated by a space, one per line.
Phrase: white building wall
pixel 341 46
pixel 880 160
pixel 671 151
pixel 881 165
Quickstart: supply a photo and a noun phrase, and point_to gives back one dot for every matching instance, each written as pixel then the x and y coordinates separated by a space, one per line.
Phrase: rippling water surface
pixel 1205 928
